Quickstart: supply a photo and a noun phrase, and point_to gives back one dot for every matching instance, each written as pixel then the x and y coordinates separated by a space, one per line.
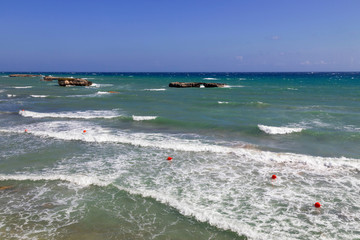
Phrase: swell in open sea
pixel 91 162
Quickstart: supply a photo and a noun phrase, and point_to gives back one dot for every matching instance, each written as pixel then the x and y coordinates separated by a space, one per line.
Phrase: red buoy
pixel 317 205
pixel 23 110
pixel 169 158
pixel 273 176
pixel 84 131
pixel 25 130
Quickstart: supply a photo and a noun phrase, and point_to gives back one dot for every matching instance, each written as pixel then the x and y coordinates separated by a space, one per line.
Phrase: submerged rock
pixel 73 82
pixel 195 84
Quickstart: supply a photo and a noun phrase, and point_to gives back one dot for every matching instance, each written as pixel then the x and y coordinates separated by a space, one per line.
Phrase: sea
pixel 92 162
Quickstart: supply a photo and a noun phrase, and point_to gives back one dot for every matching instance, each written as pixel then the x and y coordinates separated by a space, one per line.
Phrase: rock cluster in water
pixel 73 82
pixel 66 81
pixel 195 84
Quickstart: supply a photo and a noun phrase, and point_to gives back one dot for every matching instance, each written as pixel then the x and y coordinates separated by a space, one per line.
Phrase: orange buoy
pixel 23 110
pixel 84 131
pixel 273 176
pixel 317 205
pixel 169 158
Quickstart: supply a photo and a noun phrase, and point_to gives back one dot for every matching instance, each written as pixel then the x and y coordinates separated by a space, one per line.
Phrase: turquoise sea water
pixel 114 181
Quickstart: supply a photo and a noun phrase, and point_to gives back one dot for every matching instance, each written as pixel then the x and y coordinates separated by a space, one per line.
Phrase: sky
pixel 179 35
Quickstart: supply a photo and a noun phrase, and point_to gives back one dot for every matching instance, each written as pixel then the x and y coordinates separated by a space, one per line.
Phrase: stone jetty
pixel 195 84
pixel 24 75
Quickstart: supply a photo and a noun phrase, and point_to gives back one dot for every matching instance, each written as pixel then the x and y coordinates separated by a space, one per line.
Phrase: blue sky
pixel 180 36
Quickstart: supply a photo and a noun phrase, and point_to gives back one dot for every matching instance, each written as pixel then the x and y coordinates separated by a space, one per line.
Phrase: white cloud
pixel 307 62
pixel 239 58
pixel 275 37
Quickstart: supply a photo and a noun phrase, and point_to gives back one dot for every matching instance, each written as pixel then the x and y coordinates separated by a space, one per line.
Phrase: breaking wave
pixel 279 130
pixel 77 115
pixel 143 118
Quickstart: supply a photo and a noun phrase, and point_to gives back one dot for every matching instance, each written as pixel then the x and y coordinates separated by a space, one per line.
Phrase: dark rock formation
pixel 24 75
pixel 195 84
pixel 73 82
pixel 49 78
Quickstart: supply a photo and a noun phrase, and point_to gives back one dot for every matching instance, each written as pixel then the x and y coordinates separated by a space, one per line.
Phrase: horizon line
pixel 358 71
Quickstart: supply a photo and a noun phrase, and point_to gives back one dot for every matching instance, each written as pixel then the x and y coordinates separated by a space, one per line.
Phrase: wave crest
pixel 78 115
pixel 143 118
pixel 278 130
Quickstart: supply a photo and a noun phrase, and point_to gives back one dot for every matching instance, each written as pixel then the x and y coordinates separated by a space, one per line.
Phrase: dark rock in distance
pixel 195 84
pixel 24 75
pixel 49 78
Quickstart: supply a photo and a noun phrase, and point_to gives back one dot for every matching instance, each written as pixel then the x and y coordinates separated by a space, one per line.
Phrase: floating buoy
pixel 169 158
pixel 84 131
pixel 25 130
pixel 23 110
pixel 317 205
pixel 273 176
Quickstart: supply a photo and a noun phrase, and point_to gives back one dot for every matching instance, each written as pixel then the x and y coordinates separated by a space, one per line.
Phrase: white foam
pixel 187 208
pixel 202 86
pixel 210 78
pixel 102 93
pixel 143 118
pixel 97 94
pixel 11 95
pixel 39 96
pixel 279 130
pixel 98 85
pixel 233 86
pixel 73 130
pixel 228 187
pixel 90 114
pixel 24 87
pixel 220 102
pixel 80 180
pixel 155 89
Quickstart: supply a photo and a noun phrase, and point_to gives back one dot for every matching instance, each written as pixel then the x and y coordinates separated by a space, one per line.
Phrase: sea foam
pixel 39 96
pixel 279 130
pixel 74 131
pixel 90 114
pixel 80 180
pixel 24 87
pixel 155 89
pixel 143 118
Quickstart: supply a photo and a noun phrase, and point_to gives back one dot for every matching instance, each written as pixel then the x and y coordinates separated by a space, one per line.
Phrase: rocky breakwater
pixel 73 82
pixel 195 84
pixel 24 75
